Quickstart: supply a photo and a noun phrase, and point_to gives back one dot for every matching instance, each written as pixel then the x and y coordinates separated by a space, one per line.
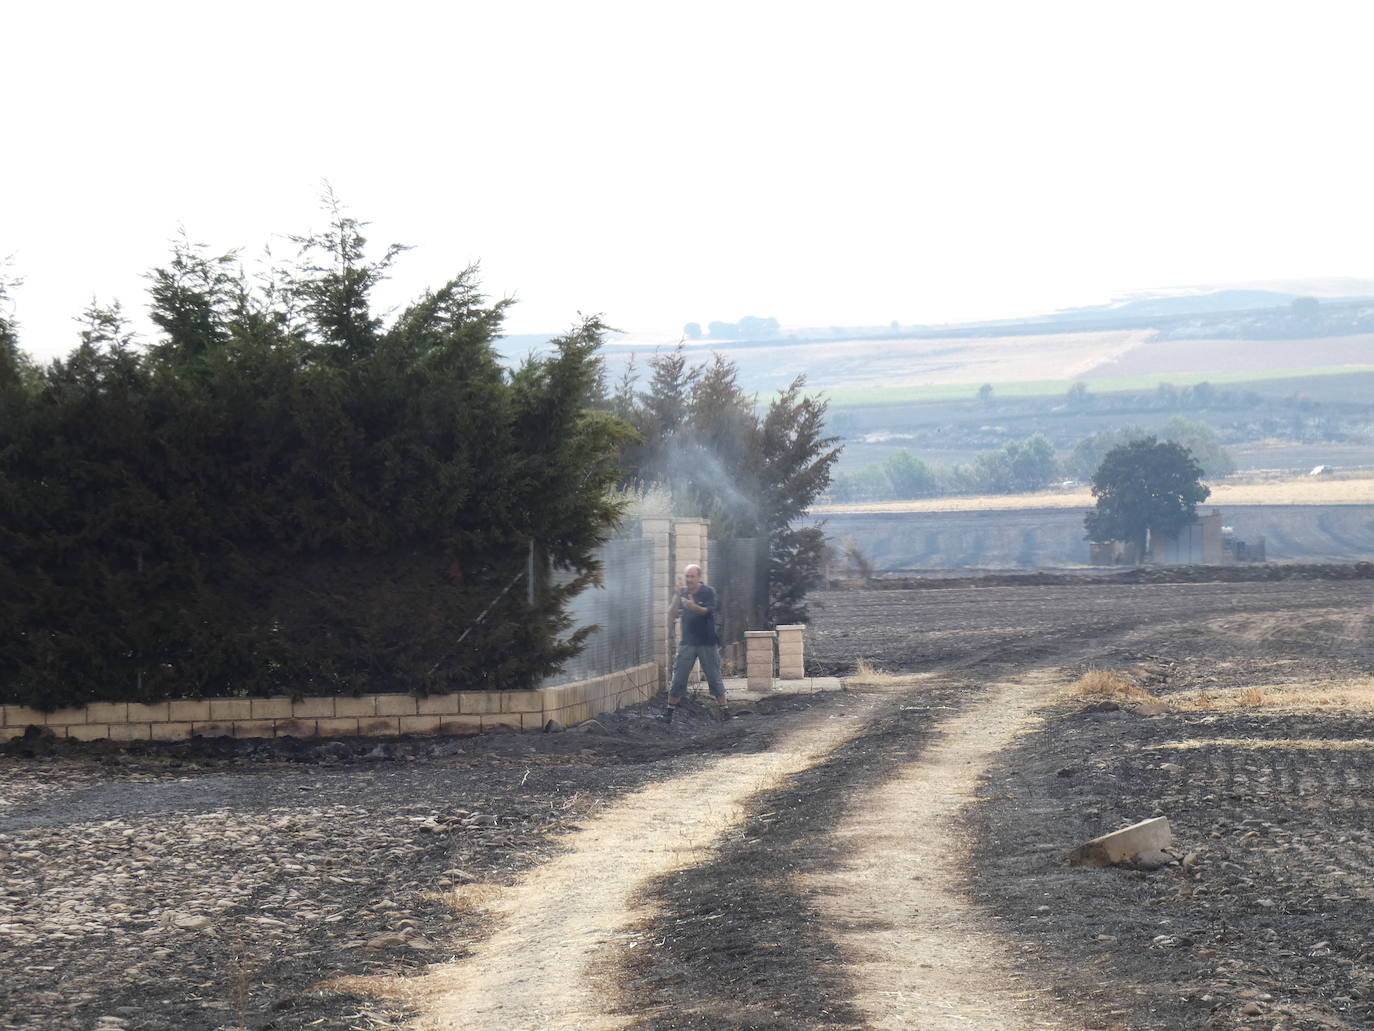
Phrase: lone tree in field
pixel 1144 488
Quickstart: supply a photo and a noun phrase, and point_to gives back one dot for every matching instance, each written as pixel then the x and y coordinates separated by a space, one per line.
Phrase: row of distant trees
pixel 751 327
pixel 1020 466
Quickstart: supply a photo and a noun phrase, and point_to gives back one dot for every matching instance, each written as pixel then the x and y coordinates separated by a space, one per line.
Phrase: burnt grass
pixel 351 808
pixel 1268 928
pixel 1273 913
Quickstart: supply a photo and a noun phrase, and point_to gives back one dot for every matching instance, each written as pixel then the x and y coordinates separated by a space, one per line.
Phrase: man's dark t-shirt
pixel 700 627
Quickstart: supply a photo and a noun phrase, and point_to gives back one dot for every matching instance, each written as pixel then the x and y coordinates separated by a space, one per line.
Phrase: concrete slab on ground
pixel 737 688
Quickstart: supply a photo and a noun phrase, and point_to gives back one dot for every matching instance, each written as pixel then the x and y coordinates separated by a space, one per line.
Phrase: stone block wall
pixel 691 539
pixel 760 659
pixel 677 542
pixel 791 647
pixel 463 712
pixel 660 531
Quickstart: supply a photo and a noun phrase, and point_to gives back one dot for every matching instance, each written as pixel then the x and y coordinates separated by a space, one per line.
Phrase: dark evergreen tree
pixel 753 474
pixel 718 459
pixel 284 495
pixel 192 298
pixel 797 459
pixel 11 361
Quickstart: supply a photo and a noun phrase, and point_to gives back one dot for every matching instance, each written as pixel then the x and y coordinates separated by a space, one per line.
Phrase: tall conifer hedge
pixel 286 496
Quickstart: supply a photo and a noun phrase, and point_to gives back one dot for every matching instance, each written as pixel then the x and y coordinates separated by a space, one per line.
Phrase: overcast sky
pixel 824 164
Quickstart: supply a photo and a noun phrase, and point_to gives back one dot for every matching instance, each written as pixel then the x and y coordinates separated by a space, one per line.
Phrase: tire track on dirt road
pixel 557 927
pixel 919 954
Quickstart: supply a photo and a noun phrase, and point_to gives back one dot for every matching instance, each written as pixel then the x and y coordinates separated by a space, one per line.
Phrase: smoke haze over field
pixel 909 162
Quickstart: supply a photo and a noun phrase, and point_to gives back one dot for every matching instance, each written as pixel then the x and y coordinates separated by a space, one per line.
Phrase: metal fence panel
pixel 622 608
pixel 739 573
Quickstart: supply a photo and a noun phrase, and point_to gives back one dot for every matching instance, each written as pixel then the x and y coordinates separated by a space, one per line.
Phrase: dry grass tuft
pixel 469 899
pixel 1255 744
pixel 1109 685
pixel 1337 696
pixel 870 676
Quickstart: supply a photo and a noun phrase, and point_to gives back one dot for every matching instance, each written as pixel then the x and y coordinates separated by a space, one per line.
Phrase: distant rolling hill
pixel 1226 335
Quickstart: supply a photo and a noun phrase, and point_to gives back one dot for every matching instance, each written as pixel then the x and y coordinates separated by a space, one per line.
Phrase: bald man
pixel 695 603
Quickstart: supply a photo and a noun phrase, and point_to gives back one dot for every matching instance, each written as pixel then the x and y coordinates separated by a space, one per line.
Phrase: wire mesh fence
pixel 739 573
pixel 622 609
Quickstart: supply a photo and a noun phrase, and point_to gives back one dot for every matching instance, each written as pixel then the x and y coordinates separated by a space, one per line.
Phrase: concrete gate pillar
pixel 791 642
pixel 690 546
pixel 659 530
pixel 758 659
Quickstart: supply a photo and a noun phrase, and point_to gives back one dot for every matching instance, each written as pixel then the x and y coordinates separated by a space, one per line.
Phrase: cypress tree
pixel 285 495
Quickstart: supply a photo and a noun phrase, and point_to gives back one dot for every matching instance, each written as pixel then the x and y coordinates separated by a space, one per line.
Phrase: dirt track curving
pixel 553 929
pixel 919 953
pixel 703 877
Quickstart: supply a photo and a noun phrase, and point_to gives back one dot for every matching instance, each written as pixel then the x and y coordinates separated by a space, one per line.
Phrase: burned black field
pixel 218 884
pixel 1269 925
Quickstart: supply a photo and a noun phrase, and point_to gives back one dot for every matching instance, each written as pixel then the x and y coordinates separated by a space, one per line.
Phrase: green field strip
pixel 877 396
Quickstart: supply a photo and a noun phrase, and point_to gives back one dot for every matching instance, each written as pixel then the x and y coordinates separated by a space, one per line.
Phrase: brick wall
pixel 463 712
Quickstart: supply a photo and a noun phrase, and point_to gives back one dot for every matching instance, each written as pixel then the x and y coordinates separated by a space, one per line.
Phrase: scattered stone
pixel 333 750
pixel 1153 859
pixel 1119 846
pixel 553 727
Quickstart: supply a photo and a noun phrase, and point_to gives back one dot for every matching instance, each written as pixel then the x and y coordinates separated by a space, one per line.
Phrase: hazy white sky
pixel 820 163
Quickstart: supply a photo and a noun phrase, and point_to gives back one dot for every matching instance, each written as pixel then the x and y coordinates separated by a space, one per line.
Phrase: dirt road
pixel 559 930
pixel 917 952
pixel 761 873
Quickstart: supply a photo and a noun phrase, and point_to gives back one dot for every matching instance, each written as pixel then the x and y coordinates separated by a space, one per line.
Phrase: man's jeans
pixel 687 656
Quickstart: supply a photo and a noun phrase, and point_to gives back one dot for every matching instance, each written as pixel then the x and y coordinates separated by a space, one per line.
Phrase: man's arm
pixel 705 601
